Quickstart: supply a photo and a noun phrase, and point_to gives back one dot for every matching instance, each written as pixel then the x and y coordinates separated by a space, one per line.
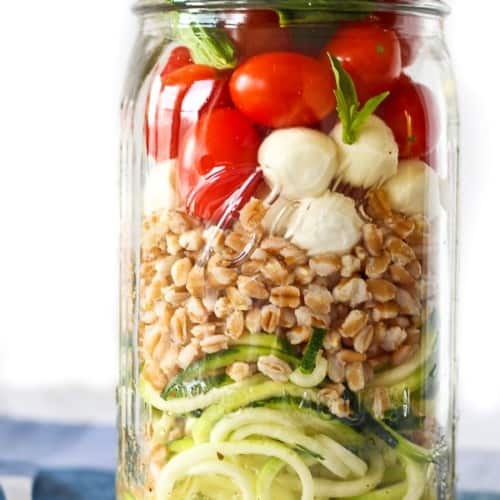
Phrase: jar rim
pixel 430 7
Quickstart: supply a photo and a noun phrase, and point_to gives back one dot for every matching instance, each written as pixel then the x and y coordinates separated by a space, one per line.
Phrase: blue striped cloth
pixel 63 462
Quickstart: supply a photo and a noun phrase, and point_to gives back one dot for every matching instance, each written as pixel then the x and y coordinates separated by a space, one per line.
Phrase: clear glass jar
pixel 289 183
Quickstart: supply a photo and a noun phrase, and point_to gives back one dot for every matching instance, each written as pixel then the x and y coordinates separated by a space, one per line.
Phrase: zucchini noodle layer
pixel 180 465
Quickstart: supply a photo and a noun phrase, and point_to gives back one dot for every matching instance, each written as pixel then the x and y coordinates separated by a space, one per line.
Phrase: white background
pixel 62 67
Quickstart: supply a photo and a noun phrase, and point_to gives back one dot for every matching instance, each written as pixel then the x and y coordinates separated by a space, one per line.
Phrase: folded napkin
pixel 40 461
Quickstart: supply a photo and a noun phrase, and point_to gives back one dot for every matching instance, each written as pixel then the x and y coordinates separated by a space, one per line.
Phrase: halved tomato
pixel 217 157
pixel 176 101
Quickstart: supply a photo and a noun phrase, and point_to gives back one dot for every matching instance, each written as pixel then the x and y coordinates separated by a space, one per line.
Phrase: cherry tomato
pixel 217 156
pixel 407 28
pixel 219 195
pixel 179 57
pixel 370 53
pixel 255 31
pixel 180 97
pixel 410 111
pixel 283 89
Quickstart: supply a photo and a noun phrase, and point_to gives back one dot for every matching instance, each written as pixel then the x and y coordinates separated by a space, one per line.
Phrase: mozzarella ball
pixel 414 189
pixel 372 159
pixel 298 162
pixel 161 191
pixel 329 224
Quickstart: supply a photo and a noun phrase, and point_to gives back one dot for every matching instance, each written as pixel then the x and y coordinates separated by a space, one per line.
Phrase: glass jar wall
pixel 289 175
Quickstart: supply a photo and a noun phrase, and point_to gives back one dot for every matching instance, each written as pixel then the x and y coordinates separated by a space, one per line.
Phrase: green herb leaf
pixel 368 109
pixel 209 46
pixel 297 17
pixel 348 105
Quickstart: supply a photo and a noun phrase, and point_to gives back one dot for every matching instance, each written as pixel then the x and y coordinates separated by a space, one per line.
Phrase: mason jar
pixel 289 187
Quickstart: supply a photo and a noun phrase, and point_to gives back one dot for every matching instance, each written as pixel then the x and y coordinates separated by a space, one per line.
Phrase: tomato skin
pixel 184 93
pixel 407 28
pixel 219 195
pixel 217 155
pixel 370 53
pixel 179 57
pixel 283 89
pixel 255 31
pixel 410 111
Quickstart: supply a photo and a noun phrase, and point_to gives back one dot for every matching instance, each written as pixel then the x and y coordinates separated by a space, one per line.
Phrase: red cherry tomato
pixel 217 156
pixel 370 53
pixel 408 29
pixel 179 57
pixel 255 31
pixel 219 195
pixel 410 111
pixel 180 97
pixel 283 89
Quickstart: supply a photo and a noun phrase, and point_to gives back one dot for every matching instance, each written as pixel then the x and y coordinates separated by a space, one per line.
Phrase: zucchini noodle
pixel 176 469
pixel 227 425
pixel 311 421
pixel 394 492
pixel 215 487
pixel 353 462
pixel 266 477
pixel 264 340
pixel 293 438
pixel 415 477
pixel 400 373
pixel 344 489
pixel 180 406
pixel 223 468
pixel 240 399
pixel 313 379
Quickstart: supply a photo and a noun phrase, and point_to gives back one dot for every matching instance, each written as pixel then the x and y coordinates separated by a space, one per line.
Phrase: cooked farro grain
pixel 274 368
pixel 285 296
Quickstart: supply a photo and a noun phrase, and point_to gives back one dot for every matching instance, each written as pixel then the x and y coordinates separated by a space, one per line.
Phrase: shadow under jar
pixel 289 183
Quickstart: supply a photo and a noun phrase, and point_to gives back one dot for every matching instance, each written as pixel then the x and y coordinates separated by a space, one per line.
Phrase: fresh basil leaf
pixel 297 17
pixel 368 109
pixel 345 85
pixel 348 105
pixel 209 46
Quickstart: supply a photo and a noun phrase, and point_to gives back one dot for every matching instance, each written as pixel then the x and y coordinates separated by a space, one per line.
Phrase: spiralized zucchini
pixel 324 455
pixel 343 489
pixel 240 399
pixel 180 465
pixel 354 463
pixel 400 373
pixel 266 477
pixel 394 492
pixel 313 379
pixel 228 424
pixel 182 406
pixel 264 340
pixel 223 468
pixel 415 478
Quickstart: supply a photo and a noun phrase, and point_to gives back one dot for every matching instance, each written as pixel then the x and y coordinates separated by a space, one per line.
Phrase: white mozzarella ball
pixel 372 159
pixel 414 189
pixel 161 191
pixel 329 224
pixel 298 162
